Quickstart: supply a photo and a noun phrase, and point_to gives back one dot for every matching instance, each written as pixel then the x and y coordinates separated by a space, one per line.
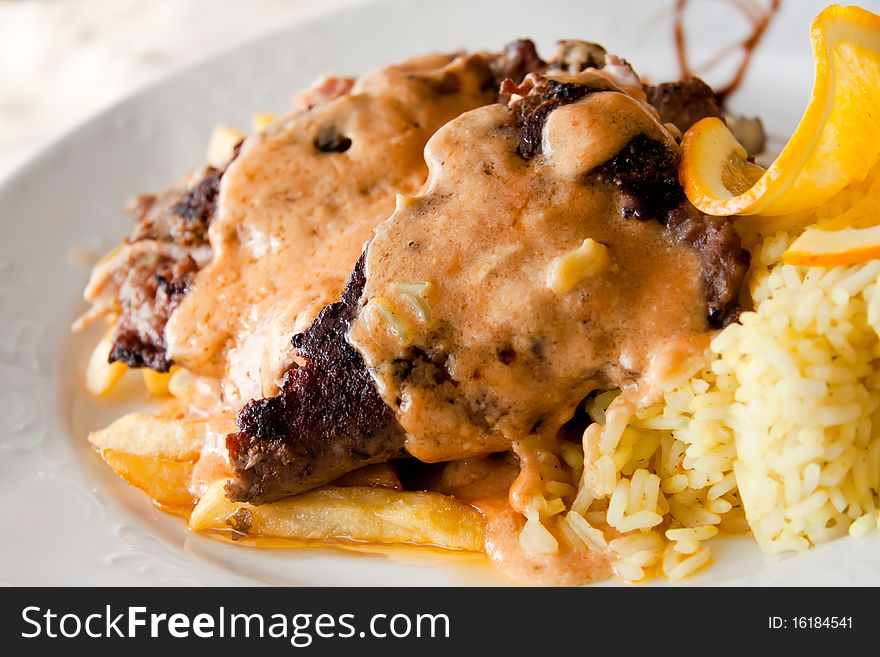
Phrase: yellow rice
pixel 777 434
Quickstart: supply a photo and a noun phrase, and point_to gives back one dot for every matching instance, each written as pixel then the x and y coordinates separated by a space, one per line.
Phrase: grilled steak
pixel 181 217
pixel 154 280
pixel 516 61
pixel 532 111
pixel 646 173
pixel 723 260
pixel 684 103
pixel 489 355
pixel 327 420
pixel 152 287
pixel 303 198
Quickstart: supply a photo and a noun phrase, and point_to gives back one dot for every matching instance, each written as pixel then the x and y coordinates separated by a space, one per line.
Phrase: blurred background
pixel 63 60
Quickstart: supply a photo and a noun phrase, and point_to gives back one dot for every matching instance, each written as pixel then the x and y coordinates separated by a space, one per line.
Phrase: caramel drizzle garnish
pixel 760 19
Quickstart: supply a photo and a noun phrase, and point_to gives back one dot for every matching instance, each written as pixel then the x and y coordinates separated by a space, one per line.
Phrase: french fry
pixel 375 515
pixel 164 480
pixel 378 475
pixel 198 391
pixel 222 144
pixel 144 435
pixel 261 120
pixel 153 454
pixel 157 382
pixel 182 384
pixel 102 375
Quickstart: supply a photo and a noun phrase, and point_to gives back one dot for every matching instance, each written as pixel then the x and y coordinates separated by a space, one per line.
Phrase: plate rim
pixel 41 157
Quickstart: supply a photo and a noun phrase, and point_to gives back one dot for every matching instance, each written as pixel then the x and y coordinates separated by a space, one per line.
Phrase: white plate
pixel 66 518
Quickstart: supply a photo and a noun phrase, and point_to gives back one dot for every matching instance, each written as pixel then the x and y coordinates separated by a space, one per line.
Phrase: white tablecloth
pixel 62 61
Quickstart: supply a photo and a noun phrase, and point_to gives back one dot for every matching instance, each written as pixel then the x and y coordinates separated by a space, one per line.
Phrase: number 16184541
pixel 810 623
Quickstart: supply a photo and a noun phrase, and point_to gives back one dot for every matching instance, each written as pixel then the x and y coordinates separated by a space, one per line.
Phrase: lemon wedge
pixel 836 142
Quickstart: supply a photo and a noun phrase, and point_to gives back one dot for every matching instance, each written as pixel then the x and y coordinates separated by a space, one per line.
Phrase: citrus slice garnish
pixel 836 142
pixel 826 248
pixel 847 235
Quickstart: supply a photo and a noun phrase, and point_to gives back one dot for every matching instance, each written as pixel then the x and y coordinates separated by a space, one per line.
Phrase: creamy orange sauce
pixel 529 483
pixel 506 355
pixel 292 220
pixel 213 462
pixel 570 566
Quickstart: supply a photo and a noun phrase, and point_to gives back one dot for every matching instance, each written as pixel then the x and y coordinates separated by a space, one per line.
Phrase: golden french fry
pixel 164 480
pixel 378 475
pixel 157 382
pixel 102 375
pixel 222 144
pixel 375 515
pixel 156 455
pixel 182 384
pixel 140 434
pixel 200 391
pixel 261 120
